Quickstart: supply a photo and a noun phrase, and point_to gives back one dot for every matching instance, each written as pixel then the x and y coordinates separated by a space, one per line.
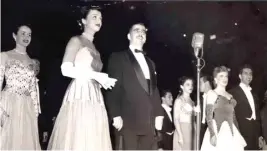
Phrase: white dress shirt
pixel 168 110
pixel 204 108
pixel 142 62
pixel 247 90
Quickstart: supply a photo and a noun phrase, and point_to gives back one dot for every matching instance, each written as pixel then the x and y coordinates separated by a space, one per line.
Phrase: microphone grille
pixel 197 40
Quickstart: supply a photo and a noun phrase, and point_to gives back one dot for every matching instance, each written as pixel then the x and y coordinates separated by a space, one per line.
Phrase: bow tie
pixel 139 51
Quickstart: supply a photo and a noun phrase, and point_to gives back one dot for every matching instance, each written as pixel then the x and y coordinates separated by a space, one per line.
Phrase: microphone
pixel 197 42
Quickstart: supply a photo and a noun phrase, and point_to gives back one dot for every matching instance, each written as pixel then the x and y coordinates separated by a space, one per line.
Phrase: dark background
pixel 171 26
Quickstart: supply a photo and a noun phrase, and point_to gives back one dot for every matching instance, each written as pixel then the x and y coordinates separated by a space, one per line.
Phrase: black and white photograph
pixel 109 75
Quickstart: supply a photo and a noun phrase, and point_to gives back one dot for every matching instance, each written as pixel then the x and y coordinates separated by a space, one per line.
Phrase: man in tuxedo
pixel 205 87
pixel 134 103
pixel 247 109
pixel 166 134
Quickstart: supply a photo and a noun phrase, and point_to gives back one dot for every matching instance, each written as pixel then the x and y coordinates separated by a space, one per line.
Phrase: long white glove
pixel 69 70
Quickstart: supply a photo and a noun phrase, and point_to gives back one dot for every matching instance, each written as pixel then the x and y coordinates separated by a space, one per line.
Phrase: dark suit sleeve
pixel 159 139
pixel 264 121
pixel 158 107
pixel 258 114
pixel 113 97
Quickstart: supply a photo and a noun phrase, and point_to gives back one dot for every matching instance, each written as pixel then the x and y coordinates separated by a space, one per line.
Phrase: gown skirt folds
pixel 82 122
pixel 21 126
pixel 226 140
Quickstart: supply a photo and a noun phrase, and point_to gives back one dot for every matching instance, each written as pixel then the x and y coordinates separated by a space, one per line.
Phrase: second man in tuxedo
pixel 247 109
pixel 166 134
pixel 134 103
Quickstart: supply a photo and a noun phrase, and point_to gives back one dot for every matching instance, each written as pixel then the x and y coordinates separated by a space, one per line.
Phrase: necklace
pixel 23 53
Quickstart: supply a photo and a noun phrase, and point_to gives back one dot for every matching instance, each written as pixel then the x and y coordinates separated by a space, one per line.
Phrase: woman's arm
pixel 69 69
pixel 211 98
pixel 3 59
pixel 34 88
pixel 177 112
pixel 3 113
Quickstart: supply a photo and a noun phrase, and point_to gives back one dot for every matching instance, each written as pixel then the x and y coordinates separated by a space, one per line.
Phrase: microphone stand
pixel 198 122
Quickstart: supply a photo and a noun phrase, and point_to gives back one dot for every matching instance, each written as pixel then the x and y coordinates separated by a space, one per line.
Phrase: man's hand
pixel 159 122
pixel 117 122
pixel 262 142
pixel 45 137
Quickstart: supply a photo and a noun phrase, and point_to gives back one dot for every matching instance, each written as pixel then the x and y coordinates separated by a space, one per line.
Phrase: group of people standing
pixel 133 100
pixel 231 120
pixel 132 103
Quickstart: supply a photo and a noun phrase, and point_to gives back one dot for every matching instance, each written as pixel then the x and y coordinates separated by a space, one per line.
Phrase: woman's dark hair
pixel 85 11
pixel 246 66
pixel 17 27
pixel 183 79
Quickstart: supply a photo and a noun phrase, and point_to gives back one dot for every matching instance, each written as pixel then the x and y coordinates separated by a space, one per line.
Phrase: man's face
pixel 168 99
pixel 137 35
pixel 246 76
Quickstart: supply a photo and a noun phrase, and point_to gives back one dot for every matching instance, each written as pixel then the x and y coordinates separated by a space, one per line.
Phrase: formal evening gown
pixel 224 122
pixel 19 103
pixel 184 116
pixel 82 122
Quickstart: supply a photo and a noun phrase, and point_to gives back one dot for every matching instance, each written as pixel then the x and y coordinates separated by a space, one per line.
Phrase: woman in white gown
pixel 19 100
pixel 222 133
pixel 82 122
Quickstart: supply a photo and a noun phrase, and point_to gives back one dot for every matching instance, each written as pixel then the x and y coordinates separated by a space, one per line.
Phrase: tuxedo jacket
pixel 133 98
pixel 168 125
pixel 165 140
pixel 243 111
pixel 264 121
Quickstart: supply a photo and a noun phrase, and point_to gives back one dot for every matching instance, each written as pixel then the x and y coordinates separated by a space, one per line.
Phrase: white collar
pixel 243 86
pixel 133 49
pixel 166 107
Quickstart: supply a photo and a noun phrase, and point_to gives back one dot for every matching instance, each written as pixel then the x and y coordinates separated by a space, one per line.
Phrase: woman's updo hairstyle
pixel 84 11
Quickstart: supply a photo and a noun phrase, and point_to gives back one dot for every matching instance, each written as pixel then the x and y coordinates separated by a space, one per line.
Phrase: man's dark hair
pixel 245 66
